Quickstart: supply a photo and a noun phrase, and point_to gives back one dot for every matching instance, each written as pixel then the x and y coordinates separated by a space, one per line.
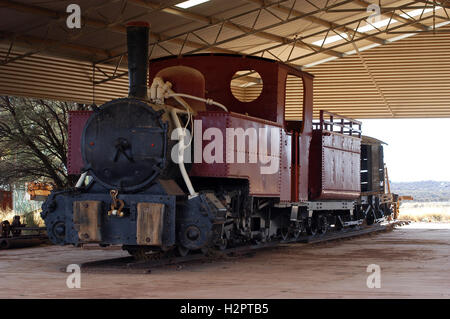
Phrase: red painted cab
pixel 335 158
pixel 290 181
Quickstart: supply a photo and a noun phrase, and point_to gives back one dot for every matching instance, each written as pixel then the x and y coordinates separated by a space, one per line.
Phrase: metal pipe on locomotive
pixel 131 193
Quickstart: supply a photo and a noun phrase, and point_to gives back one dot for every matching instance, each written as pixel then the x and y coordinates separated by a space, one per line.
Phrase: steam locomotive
pixel 147 185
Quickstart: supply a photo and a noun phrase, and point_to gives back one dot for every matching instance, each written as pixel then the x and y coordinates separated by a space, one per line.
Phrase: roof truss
pixel 303 33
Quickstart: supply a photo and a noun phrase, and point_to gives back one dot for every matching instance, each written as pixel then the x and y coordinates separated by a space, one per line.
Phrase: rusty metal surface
pixel 218 71
pixel 150 221
pixel 87 220
pixel 171 187
pixel 200 168
pixel 335 166
pixel 77 120
pixel 39 191
pixel 260 184
pixel 269 106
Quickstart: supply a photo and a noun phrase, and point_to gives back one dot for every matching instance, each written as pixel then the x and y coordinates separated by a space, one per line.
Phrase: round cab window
pixel 246 85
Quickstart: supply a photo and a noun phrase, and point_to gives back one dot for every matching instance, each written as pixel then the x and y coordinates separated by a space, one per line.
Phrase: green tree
pixel 33 140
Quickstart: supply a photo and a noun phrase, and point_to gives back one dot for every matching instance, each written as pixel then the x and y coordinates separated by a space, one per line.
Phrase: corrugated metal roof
pixel 41 76
pixel 406 78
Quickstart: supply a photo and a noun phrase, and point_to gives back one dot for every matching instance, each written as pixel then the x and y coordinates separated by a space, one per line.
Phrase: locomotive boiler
pixel 147 185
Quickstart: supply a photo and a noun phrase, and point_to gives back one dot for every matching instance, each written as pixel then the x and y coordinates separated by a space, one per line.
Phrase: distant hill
pixel 424 191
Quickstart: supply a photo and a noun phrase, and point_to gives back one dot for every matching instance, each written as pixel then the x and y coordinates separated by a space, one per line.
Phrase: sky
pixel 417 150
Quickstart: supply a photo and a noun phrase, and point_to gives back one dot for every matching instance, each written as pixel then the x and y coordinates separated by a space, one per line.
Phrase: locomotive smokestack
pixel 137 43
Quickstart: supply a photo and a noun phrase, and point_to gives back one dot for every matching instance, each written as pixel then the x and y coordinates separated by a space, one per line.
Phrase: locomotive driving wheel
pixel 297 232
pixel 370 218
pixel 322 224
pixel 311 226
pixel 299 229
pixel 285 233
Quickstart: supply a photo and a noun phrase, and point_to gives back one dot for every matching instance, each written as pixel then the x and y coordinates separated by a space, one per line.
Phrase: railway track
pixel 22 241
pixel 130 265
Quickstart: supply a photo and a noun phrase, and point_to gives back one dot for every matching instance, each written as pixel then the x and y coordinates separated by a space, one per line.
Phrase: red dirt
pixel 414 263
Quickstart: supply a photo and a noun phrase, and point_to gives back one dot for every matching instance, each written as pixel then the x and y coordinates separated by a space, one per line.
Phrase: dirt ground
pixel 414 263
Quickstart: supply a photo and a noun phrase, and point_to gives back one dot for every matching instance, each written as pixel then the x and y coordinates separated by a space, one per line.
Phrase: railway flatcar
pixel 182 164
